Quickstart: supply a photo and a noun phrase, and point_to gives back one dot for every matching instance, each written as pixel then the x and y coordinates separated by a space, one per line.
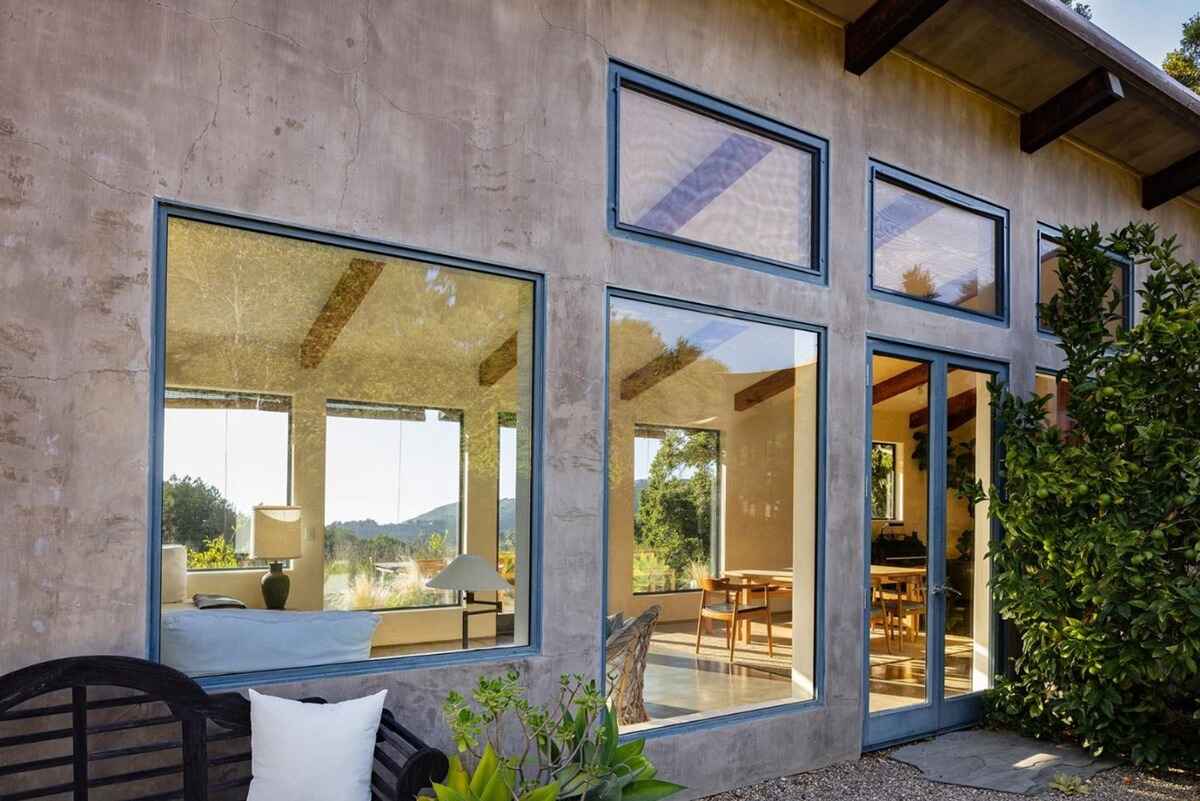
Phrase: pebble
pixel 875 777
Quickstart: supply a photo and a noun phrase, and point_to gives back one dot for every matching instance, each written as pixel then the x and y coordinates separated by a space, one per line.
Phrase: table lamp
pixel 275 535
pixel 470 574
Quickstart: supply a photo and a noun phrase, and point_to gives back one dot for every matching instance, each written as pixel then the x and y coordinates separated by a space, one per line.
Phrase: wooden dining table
pixel 880 574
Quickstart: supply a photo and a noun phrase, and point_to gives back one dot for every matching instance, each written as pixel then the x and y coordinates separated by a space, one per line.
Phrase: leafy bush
pixel 566 749
pixel 218 553
pixel 1099 567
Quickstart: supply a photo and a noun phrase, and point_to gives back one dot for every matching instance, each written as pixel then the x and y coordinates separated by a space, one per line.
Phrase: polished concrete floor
pixel 681 683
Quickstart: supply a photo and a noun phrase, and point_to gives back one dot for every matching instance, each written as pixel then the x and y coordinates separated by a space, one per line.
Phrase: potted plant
pixel 520 751
pixel 431 554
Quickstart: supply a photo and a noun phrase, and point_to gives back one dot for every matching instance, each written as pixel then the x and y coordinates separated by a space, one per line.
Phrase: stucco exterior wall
pixel 476 129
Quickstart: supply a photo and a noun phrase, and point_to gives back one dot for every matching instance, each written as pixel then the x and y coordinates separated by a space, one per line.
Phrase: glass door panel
pixel 968 533
pixel 899 484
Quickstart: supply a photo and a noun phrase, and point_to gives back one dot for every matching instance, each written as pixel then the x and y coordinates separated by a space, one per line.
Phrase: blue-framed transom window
pixel 936 246
pixel 370 377
pixel 700 175
pixel 1050 249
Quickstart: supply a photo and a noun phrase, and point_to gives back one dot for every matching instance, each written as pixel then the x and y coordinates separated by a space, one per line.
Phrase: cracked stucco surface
pixel 468 127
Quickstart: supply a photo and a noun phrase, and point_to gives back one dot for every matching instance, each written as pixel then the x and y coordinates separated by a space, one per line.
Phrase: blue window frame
pixel 707 178
pixel 722 325
pixel 1049 246
pixel 167 211
pixel 934 247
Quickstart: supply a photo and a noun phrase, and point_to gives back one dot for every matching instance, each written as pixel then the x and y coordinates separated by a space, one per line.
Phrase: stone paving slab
pixel 1001 761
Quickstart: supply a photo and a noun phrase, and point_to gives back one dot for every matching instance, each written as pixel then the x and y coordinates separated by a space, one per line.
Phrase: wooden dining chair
pixel 734 604
pixel 881 613
pixel 910 606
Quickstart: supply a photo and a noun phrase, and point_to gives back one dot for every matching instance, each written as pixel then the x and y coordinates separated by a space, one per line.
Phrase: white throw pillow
pixel 312 752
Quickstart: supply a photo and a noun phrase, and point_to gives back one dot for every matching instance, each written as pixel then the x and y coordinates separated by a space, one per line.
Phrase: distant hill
pixel 442 518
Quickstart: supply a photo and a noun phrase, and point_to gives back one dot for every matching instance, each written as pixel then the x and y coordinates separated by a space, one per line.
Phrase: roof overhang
pixel 1062 73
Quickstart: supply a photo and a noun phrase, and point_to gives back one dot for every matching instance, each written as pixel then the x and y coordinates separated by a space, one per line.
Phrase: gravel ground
pixel 875 777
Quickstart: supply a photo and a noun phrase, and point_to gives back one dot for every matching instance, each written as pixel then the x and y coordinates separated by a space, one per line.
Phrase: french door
pixel 931 637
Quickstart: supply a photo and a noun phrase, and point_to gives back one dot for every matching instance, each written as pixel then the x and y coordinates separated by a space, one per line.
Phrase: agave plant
pixel 569 749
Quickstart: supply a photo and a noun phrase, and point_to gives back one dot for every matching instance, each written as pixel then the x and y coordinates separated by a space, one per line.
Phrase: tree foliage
pixel 1082 9
pixel 1099 567
pixel 674 514
pixel 1183 63
pixel 194 512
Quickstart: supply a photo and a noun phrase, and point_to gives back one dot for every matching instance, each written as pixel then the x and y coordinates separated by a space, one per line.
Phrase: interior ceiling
pixel 228 285
pixel 1035 49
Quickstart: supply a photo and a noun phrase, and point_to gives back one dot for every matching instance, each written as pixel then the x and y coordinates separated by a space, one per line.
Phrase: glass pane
pixel 712 498
pixel 1059 391
pixel 506 507
pixel 932 250
pixel 364 390
pixel 696 177
pixel 900 544
pixel 1049 252
pixel 883 481
pixel 968 533
pixel 414 458
pixel 676 507
pixel 223 453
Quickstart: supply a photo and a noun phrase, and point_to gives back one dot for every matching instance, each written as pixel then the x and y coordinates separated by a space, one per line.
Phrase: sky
pixel 1149 27
pixel 386 470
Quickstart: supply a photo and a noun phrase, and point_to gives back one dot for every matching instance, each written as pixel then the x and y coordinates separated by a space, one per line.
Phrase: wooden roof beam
pixel 883 26
pixel 341 305
pixel 1080 101
pixel 1167 184
pixel 498 362
pixel 768 387
pixel 960 408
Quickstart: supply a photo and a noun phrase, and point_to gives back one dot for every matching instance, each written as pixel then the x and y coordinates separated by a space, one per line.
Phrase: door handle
pixel 939 589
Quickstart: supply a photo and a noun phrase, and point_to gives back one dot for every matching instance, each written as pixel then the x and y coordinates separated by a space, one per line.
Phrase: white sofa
pixel 203 642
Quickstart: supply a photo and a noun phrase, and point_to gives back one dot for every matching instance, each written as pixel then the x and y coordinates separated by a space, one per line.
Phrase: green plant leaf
pixel 485 772
pixel 650 790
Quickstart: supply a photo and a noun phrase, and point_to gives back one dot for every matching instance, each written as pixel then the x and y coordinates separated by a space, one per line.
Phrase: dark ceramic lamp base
pixel 275 587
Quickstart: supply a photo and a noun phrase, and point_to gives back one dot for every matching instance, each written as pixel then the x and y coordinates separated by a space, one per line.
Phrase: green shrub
pixel 1099 567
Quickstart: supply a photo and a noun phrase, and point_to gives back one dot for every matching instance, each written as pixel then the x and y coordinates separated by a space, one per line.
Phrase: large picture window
pixel 328 439
pixel 1121 288
pixel 932 244
pixel 713 487
pixel 721 182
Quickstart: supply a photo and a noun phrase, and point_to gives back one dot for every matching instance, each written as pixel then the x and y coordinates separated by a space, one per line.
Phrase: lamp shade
pixel 469 573
pixel 275 532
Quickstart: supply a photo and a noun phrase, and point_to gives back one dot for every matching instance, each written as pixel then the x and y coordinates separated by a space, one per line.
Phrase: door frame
pixel 937 713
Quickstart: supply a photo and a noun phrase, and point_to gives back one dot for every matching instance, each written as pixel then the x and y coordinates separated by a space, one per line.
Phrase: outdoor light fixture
pixel 275 536
pixel 470 574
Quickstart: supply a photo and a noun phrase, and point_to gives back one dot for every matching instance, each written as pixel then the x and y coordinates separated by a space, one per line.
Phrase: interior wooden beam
pixel 883 26
pixel 900 383
pixel 343 301
pixel 664 365
pixel 765 388
pixel 1080 101
pixel 498 362
pixel 960 407
pixel 1167 184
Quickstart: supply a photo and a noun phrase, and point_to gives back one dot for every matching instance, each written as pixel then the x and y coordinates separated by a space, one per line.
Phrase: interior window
pixel 223 453
pixel 883 480
pixel 677 509
pixel 330 429
pixel 400 465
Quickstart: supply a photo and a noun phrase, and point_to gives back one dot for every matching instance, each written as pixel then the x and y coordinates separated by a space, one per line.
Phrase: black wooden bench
pixel 120 728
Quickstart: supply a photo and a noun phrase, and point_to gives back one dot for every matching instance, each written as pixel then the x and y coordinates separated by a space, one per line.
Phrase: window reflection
pixel 364 391
pixel 1049 252
pixel 932 250
pixel 696 177
pixel 712 500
